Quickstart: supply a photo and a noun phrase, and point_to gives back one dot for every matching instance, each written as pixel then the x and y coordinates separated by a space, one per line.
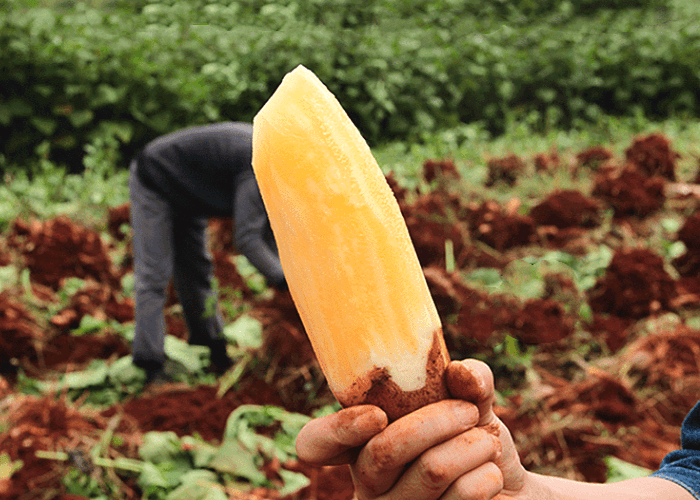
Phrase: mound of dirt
pixel 653 156
pixel 565 209
pixel 117 218
pixel 479 315
pixel 59 248
pixel 668 360
pixel 190 411
pixel 21 336
pixel 482 318
pixel 68 352
pixel 499 227
pixel 505 169
pixel 431 225
pixel 688 264
pixel 287 353
pixel 629 192
pixel 547 162
pixel 443 169
pixel 592 412
pixel 97 300
pixel 221 235
pixel 541 321
pixel 47 424
pixel 612 330
pixel 635 285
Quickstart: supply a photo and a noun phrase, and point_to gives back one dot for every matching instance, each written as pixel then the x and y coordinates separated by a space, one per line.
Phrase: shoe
pixel 220 364
pixel 157 376
pixel 219 360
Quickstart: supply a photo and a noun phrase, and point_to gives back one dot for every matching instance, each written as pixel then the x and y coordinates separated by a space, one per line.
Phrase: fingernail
pixel 371 420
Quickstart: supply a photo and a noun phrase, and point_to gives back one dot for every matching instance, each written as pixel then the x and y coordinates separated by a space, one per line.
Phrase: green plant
pixel 97 80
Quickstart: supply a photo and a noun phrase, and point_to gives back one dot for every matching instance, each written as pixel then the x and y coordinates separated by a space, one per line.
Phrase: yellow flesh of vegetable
pixel 344 246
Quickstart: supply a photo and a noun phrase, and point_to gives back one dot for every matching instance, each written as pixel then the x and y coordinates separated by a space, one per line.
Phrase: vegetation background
pixel 113 74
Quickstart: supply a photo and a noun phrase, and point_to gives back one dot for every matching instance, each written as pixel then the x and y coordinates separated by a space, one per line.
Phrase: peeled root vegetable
pixel 346 253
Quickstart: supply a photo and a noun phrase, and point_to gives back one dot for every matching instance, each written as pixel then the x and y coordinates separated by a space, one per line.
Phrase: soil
pixel 379 389
pixel 653 155
pixel 506 169
pixel 617 382
pixel 629 191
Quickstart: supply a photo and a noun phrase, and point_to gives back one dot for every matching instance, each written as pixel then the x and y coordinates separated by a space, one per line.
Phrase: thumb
pixel 472 380
pixel 330 440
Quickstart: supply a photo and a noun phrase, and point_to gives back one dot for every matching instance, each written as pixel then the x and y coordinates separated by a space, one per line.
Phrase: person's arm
pixel 448 451
pixel 645 488
pixel 251 225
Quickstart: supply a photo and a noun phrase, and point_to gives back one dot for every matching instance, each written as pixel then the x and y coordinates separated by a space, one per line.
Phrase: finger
pixel 330 440
pixel 385 456
pixel 435 470
pixel 472 380
pixel 482 483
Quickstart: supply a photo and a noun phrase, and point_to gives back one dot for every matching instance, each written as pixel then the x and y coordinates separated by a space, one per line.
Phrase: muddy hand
pixel 472 380
pixel 335 439
pixel 434 452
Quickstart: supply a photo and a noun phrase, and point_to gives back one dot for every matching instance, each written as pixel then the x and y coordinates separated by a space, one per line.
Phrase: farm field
pixel 574 272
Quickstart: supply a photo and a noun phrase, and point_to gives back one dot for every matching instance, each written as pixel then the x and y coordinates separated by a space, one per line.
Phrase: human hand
pixel 472 380
pixel 450 449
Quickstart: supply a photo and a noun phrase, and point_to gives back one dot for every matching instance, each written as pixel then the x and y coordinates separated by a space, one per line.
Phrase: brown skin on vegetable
pixel 396 402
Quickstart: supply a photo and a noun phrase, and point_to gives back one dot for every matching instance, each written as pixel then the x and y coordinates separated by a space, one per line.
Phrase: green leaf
pixel 191 357
pixel 123 371
pixel 69 287
pixel 44 125
pixel 93 376
pixel 89 324
pixel 44 20
pixel 234 459
pixel 8 467
pixel 619 470
pixel 487 276
pixel 201 451
pixel 159 447
pixel 198 484
pixel 292 482
pixel 80 118
pixel 164 450
pixel 250 274
pixel 246 332
pixel 151 477
pixel 241 424
pixel 9 275
pixel 107 94
pixel 12 108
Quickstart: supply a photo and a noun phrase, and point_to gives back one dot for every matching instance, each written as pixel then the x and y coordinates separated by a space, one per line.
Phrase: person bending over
pixel 458 449
pixel 177 182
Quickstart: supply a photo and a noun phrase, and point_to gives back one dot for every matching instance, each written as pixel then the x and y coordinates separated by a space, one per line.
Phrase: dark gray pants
pixel 168 244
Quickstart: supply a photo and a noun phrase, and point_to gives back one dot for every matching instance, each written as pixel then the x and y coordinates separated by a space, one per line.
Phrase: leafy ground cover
pixel 573 272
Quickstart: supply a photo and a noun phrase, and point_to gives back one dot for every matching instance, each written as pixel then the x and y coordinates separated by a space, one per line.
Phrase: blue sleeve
pixel 683 466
